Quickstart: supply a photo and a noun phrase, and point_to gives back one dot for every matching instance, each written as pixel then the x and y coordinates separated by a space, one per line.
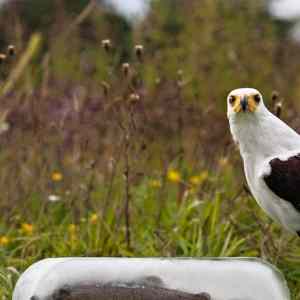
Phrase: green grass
pixel 213 218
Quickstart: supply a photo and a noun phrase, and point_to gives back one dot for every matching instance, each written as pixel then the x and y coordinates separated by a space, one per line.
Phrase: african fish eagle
pixel 271 154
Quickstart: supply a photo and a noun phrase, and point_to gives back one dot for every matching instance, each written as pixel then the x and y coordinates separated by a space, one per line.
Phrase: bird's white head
pixel 255 129
pixel 244 102
pixel 246 111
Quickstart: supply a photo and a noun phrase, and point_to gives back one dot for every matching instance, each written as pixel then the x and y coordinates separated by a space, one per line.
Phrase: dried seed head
pixel 139 50
pixel 125 174
pixel 92 164
pixel 134 98
pixel 11 50
pixel 275 96
pixel 144 146
pixel 105 87
pixel 106 44
pixel 2 58
pixel 125 69
pixel 180 74
pixel 278 109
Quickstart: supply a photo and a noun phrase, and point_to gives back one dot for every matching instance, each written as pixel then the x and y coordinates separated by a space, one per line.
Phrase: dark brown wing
pixel 284 179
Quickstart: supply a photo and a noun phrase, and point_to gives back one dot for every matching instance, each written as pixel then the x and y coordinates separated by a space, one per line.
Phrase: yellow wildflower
pixel 195 180
pixel 174 176
pixel 27 228
pixel 4 240
pixel 155 183
pixel 72 232
pixel 94 219
pixel 72 228
pixel 199 179
pixel 57 176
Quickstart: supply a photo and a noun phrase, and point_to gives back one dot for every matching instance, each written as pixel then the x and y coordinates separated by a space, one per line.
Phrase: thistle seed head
pixel 139 50
pixel 278 109
pixel 180 74
pixel 106 44
pixel 2 58
pixel 274 96
pixel 125 69
pixel 134 98
pixel 11 50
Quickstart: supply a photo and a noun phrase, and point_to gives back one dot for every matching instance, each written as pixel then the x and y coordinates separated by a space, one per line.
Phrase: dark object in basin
pixel 124 293
pixel 150 288
pixel 145 288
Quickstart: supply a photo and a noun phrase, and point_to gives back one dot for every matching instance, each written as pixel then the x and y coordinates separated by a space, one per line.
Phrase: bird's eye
pixel 257 98
pixel 232 99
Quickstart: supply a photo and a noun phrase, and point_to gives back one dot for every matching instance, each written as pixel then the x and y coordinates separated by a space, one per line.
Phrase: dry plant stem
pixel 180 138
pixel 197 153
pixel 91 184
pixel 161 198
pixel 112 177
pixel 124 150
pixel 81 17
pixel 233 201
pixel 267 236
pixel 129 127
pixel 127 194
pixel 17 72
pixel 46 75
pixel 113 103
pixel 118 213
pixel 126 132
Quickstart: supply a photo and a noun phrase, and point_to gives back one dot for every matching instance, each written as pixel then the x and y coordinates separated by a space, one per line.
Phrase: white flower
pixel 54 198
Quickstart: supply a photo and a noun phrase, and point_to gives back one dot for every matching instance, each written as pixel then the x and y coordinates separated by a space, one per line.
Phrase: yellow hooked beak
pixel 245 103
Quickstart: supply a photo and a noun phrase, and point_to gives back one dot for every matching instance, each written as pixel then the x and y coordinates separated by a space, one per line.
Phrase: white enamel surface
pixel 28 282
pixel 223 279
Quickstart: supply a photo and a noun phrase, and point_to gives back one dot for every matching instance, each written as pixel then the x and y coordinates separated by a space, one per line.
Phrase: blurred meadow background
pixel 113 132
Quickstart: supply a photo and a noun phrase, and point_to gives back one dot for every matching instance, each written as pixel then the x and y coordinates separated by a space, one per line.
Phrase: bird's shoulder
pixel 288 165
pixel 283 178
